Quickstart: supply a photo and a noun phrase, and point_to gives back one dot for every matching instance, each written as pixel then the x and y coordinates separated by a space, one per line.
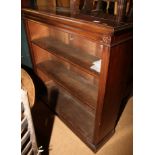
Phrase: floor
pixel 64 142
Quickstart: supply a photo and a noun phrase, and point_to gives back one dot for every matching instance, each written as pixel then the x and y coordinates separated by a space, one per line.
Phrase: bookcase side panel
pixel 119 76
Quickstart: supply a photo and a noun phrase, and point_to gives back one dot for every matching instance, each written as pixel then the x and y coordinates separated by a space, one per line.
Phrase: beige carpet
pixel 64 142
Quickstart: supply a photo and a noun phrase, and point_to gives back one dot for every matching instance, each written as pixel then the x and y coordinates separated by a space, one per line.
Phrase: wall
pixel 25 55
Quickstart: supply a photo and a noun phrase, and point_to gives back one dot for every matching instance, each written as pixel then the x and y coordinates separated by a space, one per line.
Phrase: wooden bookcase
pixel 63 48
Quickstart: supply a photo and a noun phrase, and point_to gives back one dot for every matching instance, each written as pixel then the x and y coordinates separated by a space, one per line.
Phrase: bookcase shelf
pixel 73 83
pixel 68 53
pixel 72 111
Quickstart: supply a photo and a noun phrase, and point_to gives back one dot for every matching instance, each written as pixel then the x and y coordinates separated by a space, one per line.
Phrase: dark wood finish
pixel 88 6
pixel 75 84
pixel 63 47
pixel 25 3
pixel 69 109
pixel 63 3
pixel 68 53
pixel 74 6
pixel 117 81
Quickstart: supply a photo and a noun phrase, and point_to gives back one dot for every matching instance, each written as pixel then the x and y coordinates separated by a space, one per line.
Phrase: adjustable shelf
pixel 73 83
pixel 68 53
pixel 72 111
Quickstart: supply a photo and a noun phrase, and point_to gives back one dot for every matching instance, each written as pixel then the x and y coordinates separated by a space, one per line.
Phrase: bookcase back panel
pixel 45 78
pixel 84 44
pixel 74 80
pixel 36 30
pixel 40 55
pixel 74 41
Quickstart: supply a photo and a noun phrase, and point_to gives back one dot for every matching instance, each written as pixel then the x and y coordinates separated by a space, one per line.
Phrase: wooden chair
pixel 28 138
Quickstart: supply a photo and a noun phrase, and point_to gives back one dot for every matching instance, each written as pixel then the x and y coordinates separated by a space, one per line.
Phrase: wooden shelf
pixel 71 111
pixel 71 81
pixel 73 55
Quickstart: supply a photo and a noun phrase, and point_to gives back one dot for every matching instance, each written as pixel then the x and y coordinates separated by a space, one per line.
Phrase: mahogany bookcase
pixel 63 46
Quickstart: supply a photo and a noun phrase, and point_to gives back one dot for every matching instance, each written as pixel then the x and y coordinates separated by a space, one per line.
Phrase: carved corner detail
pixel 106 39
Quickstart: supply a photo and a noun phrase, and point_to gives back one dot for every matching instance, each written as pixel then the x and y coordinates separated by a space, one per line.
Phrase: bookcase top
pixel 110 23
